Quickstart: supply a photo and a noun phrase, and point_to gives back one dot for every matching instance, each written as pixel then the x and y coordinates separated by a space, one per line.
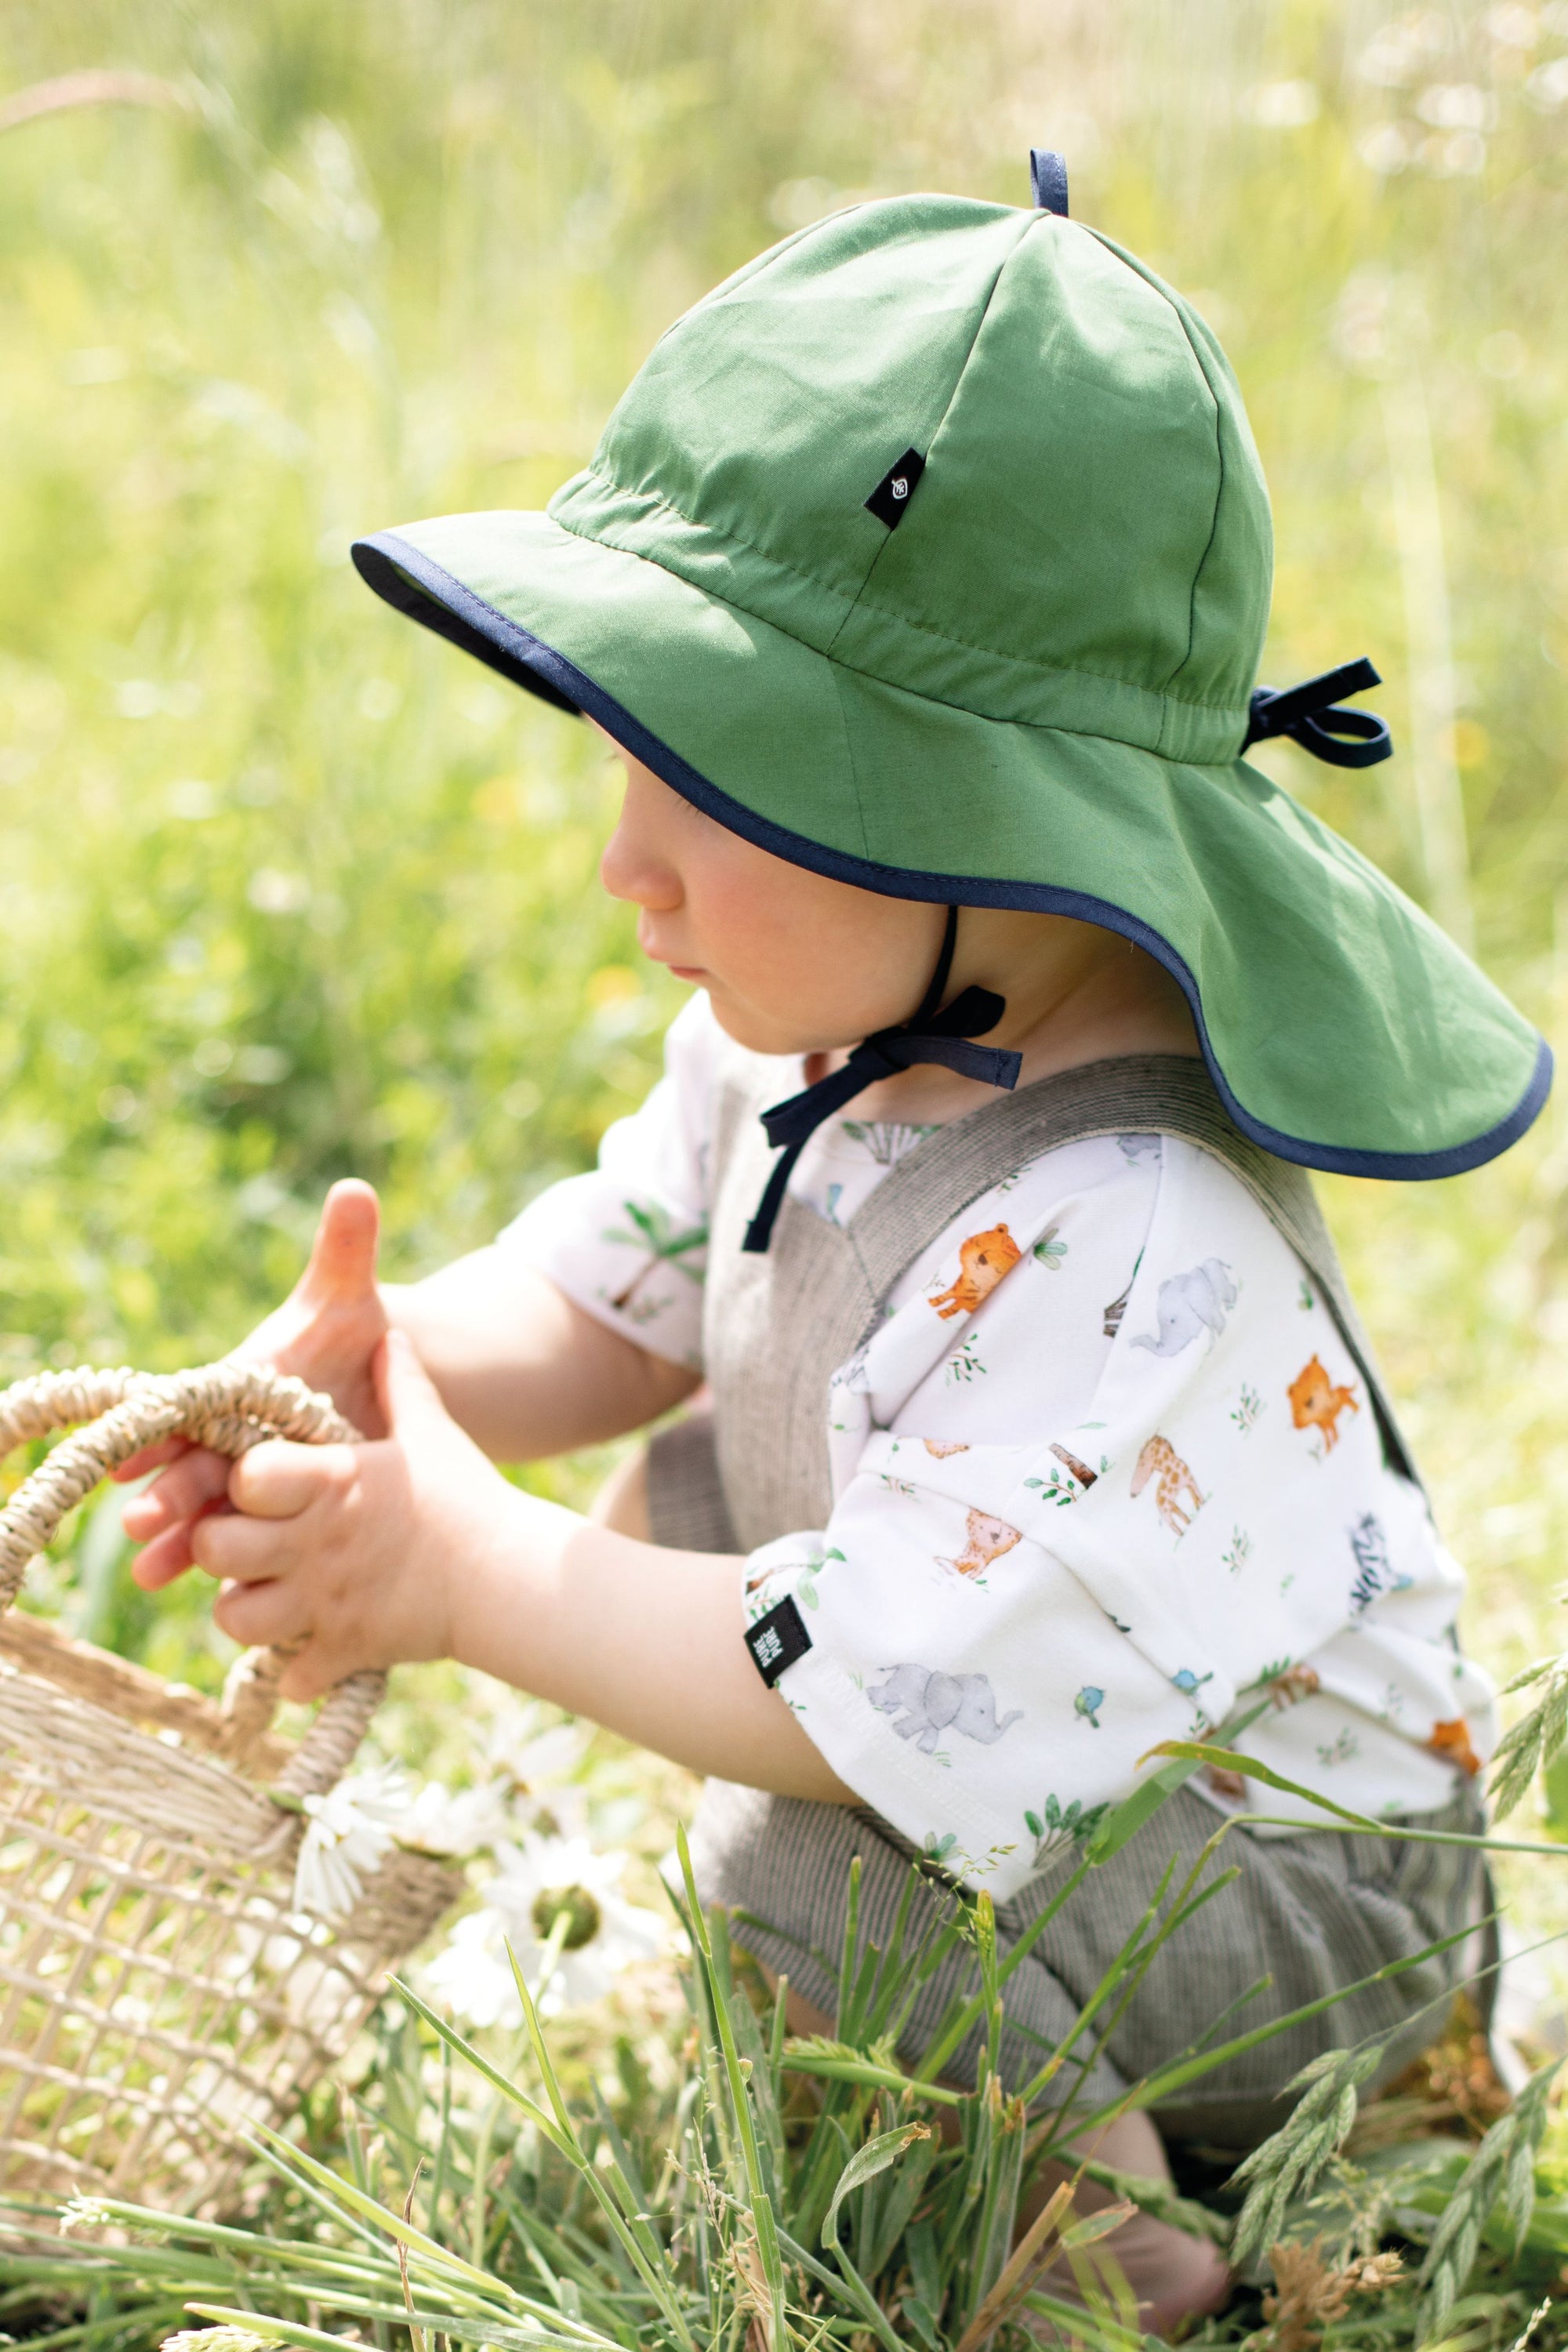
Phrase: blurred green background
pixel 290 889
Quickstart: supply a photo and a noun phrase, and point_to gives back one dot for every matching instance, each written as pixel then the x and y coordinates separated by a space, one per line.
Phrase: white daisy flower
pixel 528 1787
pixel 460 1820
pixel 347 1837
pixel 535 1883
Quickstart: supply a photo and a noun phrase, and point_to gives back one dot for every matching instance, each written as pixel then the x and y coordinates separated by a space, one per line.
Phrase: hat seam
pixel 861 599
pixel 1218 502
pixel 1045 670
pixel 1175 302
pixel 834 671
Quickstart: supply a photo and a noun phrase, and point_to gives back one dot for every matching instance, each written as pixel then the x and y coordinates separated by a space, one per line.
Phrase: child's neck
pixel 1076 994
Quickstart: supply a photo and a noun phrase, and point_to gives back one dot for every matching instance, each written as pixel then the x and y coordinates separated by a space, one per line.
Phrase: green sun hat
pixel 932 551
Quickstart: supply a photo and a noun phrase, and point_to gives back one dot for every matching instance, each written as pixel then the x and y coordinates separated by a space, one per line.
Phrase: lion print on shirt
pixel 983 1259
pixel 1175 1485
pixel 1451 1741
pixel 1317 1403
pixel 986 1540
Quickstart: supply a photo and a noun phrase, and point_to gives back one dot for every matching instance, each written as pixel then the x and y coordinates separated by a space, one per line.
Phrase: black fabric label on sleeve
pixel 894 491
pixel 777 1640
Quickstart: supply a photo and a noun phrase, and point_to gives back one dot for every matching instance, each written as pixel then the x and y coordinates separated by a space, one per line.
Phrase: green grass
pixel 290 890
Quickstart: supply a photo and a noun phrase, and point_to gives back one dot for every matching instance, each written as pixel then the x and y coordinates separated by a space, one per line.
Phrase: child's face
pixel 791 962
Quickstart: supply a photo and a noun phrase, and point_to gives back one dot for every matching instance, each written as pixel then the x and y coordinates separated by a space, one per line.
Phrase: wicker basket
pixel 159 1995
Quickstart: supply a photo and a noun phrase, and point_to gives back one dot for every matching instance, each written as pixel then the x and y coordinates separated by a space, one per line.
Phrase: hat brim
pixel 1341 1027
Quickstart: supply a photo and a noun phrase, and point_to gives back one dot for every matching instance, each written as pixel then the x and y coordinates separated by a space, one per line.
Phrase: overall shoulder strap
pixel 1168 1094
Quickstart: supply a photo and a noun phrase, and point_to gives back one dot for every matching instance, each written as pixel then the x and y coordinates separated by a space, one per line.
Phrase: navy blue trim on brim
pixel 409 581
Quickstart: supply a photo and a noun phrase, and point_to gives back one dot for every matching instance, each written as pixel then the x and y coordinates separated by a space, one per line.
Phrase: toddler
pixel 919 581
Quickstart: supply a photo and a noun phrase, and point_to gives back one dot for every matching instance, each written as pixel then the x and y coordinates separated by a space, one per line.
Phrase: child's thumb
pixel 408 1397
pixel 342 1257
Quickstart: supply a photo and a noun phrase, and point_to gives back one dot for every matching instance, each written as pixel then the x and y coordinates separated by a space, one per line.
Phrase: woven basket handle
pixel 228 1406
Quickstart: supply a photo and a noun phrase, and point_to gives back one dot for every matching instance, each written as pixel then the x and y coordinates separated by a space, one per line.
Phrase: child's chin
pixel 754 1030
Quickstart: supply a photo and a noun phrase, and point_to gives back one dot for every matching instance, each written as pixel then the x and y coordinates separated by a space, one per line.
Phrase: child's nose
pixel 630 868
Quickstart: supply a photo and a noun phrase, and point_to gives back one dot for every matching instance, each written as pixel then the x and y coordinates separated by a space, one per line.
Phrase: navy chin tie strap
pixel 927 1036
pixel 1314 715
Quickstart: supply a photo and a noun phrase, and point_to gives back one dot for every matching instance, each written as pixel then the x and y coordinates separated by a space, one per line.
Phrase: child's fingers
pixel 310 1674
pixel 279 1480
pixel 262 1613
pixel 342 1257
pixel 190 1485
pixel 152 1457
pixel 167 1557
pixel 248 1550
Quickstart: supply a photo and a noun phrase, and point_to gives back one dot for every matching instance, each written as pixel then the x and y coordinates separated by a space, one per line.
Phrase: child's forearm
pixel 525 1372
pixel 644 1641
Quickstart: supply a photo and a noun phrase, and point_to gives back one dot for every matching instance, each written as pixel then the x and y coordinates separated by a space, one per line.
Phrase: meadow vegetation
pixel 291 891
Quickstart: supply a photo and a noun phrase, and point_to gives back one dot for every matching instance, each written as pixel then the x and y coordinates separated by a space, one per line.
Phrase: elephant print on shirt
pixel 1176 1485
pixel 1188 1304
pixel 983 1260
pixel 1317 1403
pixel 929 1701
pixel 986 1540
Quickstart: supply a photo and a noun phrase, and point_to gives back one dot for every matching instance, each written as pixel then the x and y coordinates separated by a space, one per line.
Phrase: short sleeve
pixel 628 1241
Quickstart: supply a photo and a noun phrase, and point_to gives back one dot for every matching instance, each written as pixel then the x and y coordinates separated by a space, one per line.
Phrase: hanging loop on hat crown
pixel 1048 180
pixel 1314 715
pixel 928 1036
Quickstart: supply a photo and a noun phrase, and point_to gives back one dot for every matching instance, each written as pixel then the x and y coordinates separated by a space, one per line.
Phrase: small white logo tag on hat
pixel 891 496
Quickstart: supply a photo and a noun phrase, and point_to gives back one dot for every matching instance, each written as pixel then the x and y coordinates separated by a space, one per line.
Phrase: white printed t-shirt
pixel 1105 1472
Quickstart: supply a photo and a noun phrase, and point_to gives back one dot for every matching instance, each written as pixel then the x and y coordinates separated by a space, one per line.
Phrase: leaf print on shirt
pixel 807 1586
pixel 1056 1825
pixel 1240 1551
pixel 983 1259
pixel 928 1701
pixel 1057 1489
pixel 986 1540
pixel 1080 1470
pixel 1175 1486
pixel 1317 1403
pixel 1048 1251
pixel 1287 1684
pixel 1248 1408
pixel 665 1243
pixel 1189 1304
pixel 885 1141
pixel 965 1363
pixel 1341 1749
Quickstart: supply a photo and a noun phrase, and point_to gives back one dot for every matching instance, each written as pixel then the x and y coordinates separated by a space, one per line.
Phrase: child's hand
pixel 326 1331
pixel 362 1553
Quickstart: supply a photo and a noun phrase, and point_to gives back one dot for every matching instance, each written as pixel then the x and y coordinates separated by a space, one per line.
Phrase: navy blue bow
pixel 927 1036
pixel 1313 715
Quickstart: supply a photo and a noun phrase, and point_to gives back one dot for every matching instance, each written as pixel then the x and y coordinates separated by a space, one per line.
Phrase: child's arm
pixel 523 1369
pixel 415 1546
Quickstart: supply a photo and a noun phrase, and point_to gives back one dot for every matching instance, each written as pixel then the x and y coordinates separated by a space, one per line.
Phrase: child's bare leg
pixel 1173 2277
